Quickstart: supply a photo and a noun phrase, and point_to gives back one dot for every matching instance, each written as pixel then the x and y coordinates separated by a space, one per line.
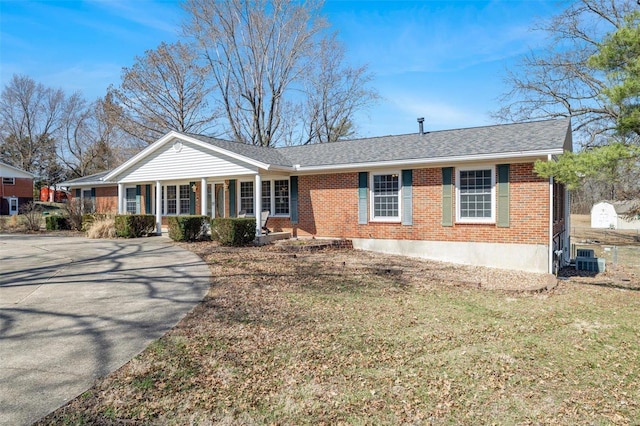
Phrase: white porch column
pixel 158 208
pixel 203 196
pixel 257 204
pixel 120 195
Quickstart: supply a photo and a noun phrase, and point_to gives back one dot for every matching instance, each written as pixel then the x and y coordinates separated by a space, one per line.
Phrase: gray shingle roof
pixel 86 180
pixel 506 138
pixel 271 156
pixel 538 136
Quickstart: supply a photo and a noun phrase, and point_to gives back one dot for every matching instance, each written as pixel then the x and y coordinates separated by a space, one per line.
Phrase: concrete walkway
pixel 74 309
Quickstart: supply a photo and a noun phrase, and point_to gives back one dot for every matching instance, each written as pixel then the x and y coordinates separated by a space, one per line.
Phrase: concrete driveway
pixel 74 309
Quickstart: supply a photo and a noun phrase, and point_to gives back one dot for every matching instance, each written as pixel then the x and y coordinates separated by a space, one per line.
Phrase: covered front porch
pixel 182 175
pixel 211 197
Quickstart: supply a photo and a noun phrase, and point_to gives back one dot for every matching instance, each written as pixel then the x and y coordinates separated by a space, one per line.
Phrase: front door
pixel 219 199
pixel 13 206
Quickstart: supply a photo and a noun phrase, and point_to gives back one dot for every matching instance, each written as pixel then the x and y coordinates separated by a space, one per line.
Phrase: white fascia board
pixel 176 135
pixel 520 156
pixel 86 184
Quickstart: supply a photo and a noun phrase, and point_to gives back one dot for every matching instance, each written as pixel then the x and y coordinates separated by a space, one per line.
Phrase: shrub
pixel 57 223
pixel 104 227
pixel 89 218
pixel 32 214
pixel 13 221
pixel 187 228
pixel 233 231
pixel 73 211
pixel 134 225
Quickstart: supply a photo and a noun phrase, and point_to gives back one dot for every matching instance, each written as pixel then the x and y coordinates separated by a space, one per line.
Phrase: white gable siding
pixel 190 162
pixel 8 171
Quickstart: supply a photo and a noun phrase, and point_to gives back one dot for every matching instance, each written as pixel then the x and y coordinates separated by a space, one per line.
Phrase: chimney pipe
pixel 421 125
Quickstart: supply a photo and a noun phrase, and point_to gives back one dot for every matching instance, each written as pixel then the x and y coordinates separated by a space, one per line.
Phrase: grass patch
pixel 325 339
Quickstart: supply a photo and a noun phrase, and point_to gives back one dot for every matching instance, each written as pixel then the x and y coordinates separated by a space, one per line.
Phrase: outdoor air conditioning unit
pixel 590 264
pixel 585 253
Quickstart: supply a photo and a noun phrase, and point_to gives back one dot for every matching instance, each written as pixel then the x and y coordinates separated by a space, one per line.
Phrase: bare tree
pixel 29 117
pixel 263 56
pixel 75 136
pixel 333 94
pixel 164 90
pixel 88 140
pixel 559 82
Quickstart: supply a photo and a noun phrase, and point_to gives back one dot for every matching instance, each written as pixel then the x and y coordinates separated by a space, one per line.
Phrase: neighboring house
pixel 468 195
pixel 615 215
pixel 16 189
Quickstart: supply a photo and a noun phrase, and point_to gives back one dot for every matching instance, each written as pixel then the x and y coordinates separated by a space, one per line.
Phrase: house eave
pixel 520 156
pixel 85 184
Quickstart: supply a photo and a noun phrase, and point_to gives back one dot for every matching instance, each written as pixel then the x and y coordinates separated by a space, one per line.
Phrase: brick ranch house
pixel 16 189
pixel 467 195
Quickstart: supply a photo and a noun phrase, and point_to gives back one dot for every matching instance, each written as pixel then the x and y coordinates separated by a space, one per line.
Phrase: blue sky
pixel 444 61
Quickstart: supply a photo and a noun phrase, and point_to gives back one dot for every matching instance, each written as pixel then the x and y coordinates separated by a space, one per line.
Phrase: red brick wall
pixel 107 199
pixel 23 188
pixel 328 207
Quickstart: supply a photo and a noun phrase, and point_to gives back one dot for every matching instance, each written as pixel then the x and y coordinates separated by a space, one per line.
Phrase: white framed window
pixel 385 196
pixel 246 197
pixel 185 199
pixel 8 181
pixel 266 195
pixel 275 196
pixel 176 199
pixel 171 198
pixel 475 194
pixel 281 197
pixel 131 202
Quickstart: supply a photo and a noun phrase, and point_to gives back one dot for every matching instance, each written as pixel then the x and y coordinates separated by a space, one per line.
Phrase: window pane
pixel 131 200
pixel 246 197
pixel 171 200
pixel 386 191
pixel 281 193
pixel 185 202
pixel 475 193
pixel 266 195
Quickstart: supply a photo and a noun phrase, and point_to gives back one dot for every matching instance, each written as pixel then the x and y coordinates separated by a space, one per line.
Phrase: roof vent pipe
pixel 421 125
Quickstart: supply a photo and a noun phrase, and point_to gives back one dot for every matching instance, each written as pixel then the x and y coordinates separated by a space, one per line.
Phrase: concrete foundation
pixel 520 257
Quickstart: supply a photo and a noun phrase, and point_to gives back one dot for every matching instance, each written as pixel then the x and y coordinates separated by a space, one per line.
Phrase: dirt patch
pixel 411 270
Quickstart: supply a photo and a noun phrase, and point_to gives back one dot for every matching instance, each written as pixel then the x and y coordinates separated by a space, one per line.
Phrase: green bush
pixel 135 225
pixel 187 228
pixel 233 231
pixel 57 223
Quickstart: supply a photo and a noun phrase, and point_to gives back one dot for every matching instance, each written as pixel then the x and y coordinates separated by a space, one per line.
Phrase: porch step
pixel 271 237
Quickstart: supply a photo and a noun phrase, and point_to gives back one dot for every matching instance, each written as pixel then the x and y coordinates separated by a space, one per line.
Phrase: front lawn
pixel 345 337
